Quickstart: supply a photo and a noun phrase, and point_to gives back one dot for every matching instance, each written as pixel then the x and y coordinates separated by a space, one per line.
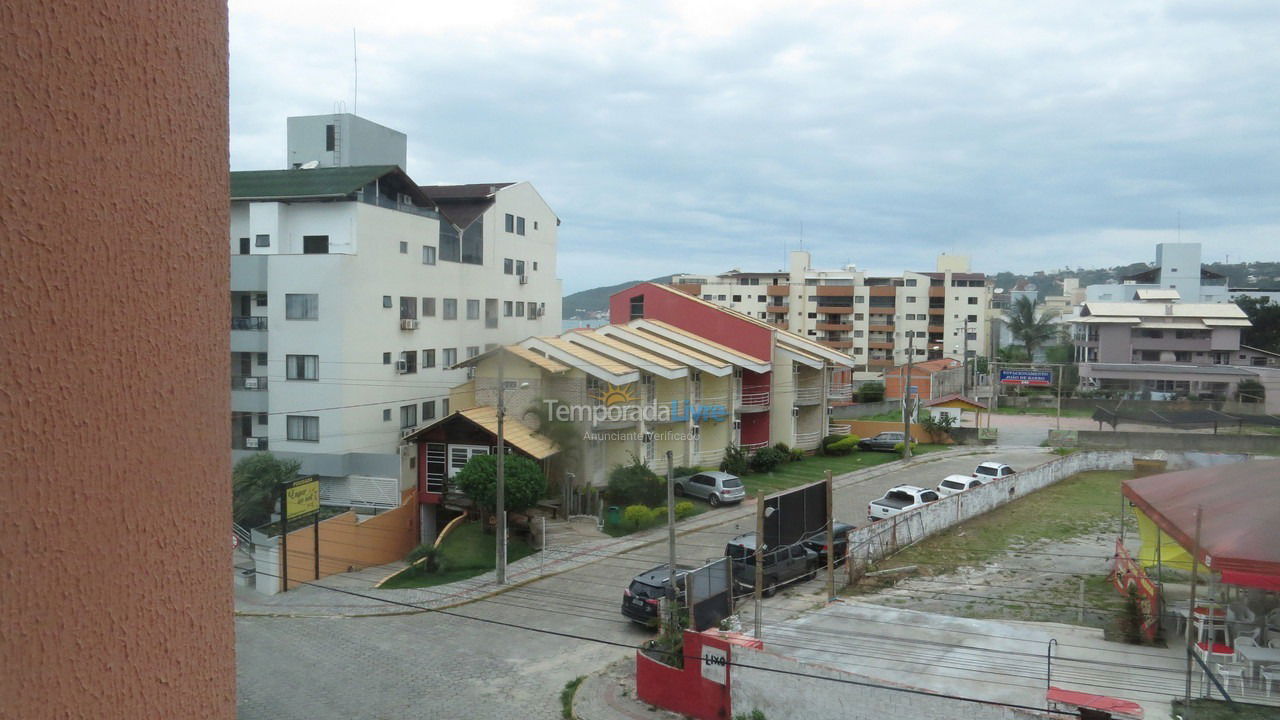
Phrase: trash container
pixel 615 515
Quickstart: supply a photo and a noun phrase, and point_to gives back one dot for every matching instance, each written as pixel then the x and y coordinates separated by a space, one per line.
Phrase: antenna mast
pixel 355 76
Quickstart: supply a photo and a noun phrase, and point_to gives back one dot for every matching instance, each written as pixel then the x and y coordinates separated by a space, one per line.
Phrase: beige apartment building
pixel 873 319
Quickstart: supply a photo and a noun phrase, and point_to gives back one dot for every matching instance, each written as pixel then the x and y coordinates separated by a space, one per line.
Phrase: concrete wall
pixel 769 682
pixel 869 428
pixel 117 593
pixel 1253 444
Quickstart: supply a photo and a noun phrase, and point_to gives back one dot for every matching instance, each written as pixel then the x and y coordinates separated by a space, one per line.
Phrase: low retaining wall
pixel 868 428
pixel 1222 442
pixel 851 412
pixel 689 690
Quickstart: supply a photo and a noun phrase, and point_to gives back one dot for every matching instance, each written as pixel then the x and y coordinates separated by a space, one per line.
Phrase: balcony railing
pixel 710 458
pixel 248 382
pixel 807 441
pixel 752 401
pixel 249 443
pixel 248 323
pixel 837 429
pixel 752 447
pixel 840 392
pixel 808 395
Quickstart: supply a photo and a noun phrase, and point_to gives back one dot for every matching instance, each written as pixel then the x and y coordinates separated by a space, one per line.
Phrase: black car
pixel 885 441
pixel 817 542
pixel 641 599
pixel 781 565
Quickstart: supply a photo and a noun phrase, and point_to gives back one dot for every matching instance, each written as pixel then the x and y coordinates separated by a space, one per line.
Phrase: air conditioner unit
pixel 402 366
pixel 251 383
pixel 408 324
pixel 524 279
pixel 406 432
pixel 251 442
pixel 795 412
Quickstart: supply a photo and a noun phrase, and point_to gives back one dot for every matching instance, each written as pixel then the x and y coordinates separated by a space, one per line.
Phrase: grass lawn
pixel 620 529
pixel 1220 710
pixel 1044 412
pixel 467 551
pixel 891 416
pixel 1076 506
pixel 813 468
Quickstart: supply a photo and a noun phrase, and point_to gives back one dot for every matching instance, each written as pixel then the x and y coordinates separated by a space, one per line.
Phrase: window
pixel 509 265
pixel 737 298
pixel 244 246
pixel 386 415
pixel 262 241
pixel 812 315
pixel 429 410
pixel 762 298
pixel 301 306
pixel 911 298
pixel 535 262
pixel 428 307
pixel 519 226
pixel 386 358
pixel 511 223
pixel 858 316
pixel 911 282
pixel 519 267
pixel 973 301
pixel 508 308
pixel 1182 356
pixel 408 416
pixel 410 360
pixel 472 351
pixel 473 309
pixel 859 299
pixel 260 300
pixel 304 428
pixel 428 255
pixel 519 309
pixel 637 307
pixel 449 357
pixel 262 418
pixel 535 227
pixel 330 137
pixel 720 298
pixel 428 359
pixel 450 309
pixel 404 247
pixel 262 359
pixel 315 244
pixel 408 308
pixel 302 367
pixel 386 301
pixel 972 318
pixel 1149 355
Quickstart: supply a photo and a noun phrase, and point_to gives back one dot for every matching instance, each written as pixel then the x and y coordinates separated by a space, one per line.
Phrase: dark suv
pixel 885 441
pixel 817 542
pixel 782 565
pixel 640 600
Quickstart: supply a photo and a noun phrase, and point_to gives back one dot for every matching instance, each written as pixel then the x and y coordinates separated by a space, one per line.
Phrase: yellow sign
pixel 302 498
pixel 615 395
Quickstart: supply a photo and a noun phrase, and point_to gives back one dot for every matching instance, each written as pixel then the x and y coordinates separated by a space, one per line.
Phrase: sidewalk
pixel 327 601
pixel 610 694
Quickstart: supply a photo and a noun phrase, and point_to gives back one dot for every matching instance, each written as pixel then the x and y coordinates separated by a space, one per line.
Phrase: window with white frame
pixel 302 367
pixel 408 416
pixel 304 428
pixel 301 306
pixel 428 255
pixel 473 309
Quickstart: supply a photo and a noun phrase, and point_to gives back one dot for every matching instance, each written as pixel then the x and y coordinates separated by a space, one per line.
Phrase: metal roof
pixel 332 182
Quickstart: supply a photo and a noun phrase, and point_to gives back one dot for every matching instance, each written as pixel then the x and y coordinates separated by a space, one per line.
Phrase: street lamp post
pixel 500 561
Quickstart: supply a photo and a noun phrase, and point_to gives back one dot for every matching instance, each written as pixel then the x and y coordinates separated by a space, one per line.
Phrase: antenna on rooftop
pixel 355 76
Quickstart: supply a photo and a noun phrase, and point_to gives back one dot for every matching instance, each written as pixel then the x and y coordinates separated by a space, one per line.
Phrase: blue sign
pixel 1026 377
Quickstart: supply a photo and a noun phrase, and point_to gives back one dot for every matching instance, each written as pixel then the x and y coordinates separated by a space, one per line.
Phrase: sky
pixel 700 136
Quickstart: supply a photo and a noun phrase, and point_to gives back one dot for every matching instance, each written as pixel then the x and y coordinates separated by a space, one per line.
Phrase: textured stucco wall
pixel 115 577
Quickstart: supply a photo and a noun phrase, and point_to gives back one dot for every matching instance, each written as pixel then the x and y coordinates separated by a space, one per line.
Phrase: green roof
pixel 316 183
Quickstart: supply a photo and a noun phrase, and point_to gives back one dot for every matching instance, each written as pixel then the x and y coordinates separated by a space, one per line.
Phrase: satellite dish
pixel 311 165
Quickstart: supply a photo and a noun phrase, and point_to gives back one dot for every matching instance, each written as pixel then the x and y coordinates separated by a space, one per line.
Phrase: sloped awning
pixel 1240 516
pixel 515 433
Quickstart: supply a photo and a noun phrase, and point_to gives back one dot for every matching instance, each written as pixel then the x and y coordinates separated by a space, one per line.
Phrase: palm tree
pixel 1032 328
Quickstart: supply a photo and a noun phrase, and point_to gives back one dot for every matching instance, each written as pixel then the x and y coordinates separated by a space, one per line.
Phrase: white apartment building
pixel 873 319
pixel 1177 276
pixel 352 289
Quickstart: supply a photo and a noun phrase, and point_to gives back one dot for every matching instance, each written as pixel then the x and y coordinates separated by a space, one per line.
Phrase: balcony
pixel 834 309
pixel 249 443
pixel 878 363
pixel 835 327
pixel 882 291
pixel 777 290
pixel 836 344
pixel 838 429
pixel 879 345
pixel 807 440
pixel 751 400
pixel 937 291
pixel 709 458
pixel 782 308
pixel 834 291
pixel 881 327
pixel 248 382
pixel 248 322
pixel 782 324
pixel 808 395
pixel 840 393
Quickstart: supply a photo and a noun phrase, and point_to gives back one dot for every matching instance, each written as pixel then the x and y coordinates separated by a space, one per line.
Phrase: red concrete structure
pixel 116 545
pixel 921 377
pixel 662 302
pixel 691 690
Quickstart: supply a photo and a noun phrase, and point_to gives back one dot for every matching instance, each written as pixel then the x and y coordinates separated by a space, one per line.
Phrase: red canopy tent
pixel 1240 518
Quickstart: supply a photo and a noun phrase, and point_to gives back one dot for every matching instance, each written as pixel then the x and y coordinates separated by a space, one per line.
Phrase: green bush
pixel 430 556
pixel 766 460
pixel 636 515
pixel 735 461
pixel 899 448
pixel 635 484
pixel 522 481
pixel 658 514
pixel 827 442
pixel 796 454
pixel 783 448
pixel 871 392
pixel 683 471
pixel 684 509
pixel 843 446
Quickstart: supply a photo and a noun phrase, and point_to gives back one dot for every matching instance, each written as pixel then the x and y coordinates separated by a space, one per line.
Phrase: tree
pixel 523 483
pixel 1265 316
pixel 1034 329
pixel 635 484
pixel 869 392
pixel 255 486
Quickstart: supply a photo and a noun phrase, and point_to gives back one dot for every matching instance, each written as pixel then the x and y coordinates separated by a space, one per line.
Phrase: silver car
pixel 713 486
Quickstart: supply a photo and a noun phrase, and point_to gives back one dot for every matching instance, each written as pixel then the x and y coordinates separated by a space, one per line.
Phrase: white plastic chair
pixel 1227 673
pixel 1270 675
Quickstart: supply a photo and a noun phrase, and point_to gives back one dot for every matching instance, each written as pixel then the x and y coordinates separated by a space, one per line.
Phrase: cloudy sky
pixel 702 135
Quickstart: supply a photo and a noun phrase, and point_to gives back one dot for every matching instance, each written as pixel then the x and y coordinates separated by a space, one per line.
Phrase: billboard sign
pixel 302 497
pixel 1038 378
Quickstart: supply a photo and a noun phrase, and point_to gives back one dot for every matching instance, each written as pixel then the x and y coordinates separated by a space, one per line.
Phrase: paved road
pixel 441 666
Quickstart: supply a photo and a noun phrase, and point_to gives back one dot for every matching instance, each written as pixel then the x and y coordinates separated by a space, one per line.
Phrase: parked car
pixel 988 471
pixel 641 598
pixel 713 486
pixel 817 542
pixel 782 565
pixel 885 441
pixel 953 484
pixel 899 500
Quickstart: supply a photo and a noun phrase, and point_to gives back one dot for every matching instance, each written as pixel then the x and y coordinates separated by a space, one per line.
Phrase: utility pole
pixel 831 543
pixel 759 562
pixel 1191 615
pixel 964 384
pixel 500 561
pixel 674 592
pixel 906 398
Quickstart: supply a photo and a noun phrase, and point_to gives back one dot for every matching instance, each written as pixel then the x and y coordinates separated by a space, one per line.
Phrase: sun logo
pixel 615 395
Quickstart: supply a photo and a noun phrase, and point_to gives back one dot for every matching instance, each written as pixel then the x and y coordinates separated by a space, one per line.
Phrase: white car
pixel 899 500
pixel 953 484
pixel 988 471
